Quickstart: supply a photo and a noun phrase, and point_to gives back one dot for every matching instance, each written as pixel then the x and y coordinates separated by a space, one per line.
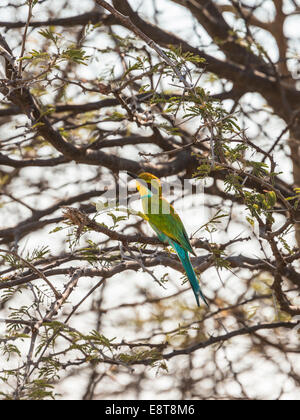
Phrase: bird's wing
pixel 169 223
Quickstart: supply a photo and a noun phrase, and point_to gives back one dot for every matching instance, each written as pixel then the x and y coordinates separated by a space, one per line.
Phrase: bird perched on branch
pixel 167 224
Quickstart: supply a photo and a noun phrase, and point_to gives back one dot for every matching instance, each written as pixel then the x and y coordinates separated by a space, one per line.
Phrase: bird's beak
pixel 132 175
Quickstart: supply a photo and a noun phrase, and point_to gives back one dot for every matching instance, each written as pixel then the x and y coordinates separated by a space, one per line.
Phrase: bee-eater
pixel 167 224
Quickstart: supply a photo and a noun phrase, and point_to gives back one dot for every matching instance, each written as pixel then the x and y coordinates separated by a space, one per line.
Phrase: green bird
pixel 167 224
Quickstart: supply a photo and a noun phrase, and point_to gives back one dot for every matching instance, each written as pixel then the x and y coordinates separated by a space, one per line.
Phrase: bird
pixel 166 223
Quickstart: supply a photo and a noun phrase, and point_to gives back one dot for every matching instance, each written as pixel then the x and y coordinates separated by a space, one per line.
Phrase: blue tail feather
pixel 186 262
pixel 187 265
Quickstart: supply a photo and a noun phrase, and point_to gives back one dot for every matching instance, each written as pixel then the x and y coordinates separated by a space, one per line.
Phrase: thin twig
pixel 34 269
pixel 29 16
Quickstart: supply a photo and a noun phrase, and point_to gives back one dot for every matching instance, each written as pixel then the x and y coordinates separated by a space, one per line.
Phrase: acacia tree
pixel 91 304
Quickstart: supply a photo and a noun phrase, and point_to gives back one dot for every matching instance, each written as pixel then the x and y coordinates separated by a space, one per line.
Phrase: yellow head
pixel 146 182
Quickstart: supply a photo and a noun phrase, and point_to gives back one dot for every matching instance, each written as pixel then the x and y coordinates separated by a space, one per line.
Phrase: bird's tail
pixel 187 265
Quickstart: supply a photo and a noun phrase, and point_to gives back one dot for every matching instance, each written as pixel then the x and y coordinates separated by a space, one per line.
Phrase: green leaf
pixel 77 55
pixel 48 34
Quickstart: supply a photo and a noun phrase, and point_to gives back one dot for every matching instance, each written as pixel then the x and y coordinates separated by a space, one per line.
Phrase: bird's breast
pixel 155 205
